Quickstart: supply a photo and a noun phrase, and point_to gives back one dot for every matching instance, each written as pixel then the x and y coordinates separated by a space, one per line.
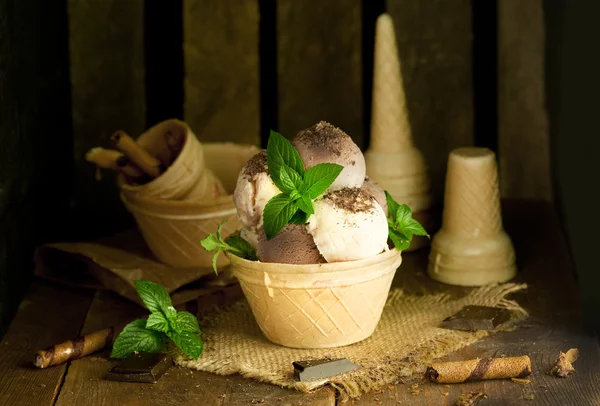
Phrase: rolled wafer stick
pixel 139 156
pixel 111 159
pixel 73 349
pixel 479 369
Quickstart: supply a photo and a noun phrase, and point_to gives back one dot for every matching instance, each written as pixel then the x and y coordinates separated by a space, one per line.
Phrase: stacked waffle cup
pixel 168 184
pixel 392 159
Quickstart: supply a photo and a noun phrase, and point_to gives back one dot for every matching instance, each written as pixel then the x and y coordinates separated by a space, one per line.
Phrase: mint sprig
pixel 402 227
pixel 299 187
pixel 163 323
pixel 234 244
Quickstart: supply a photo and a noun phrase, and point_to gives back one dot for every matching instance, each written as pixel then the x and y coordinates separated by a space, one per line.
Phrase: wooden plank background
pixel 222 69
pixel 35 143
pixel 106 44
pixel 319 65
pixel 523 130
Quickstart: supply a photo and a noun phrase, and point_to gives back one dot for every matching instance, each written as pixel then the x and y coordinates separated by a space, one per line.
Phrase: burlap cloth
pixel 406 339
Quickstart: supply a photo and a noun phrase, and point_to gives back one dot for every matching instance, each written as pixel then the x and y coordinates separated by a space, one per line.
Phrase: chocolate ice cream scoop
pixel 292 245
pixel 348 224
pixel 253 190
pixel 324 143
pixel 372 188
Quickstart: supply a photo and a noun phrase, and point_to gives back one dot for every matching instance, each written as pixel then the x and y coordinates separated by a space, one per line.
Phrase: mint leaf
pixel 186 322
pixel 318 178
pixel 219 231
pixel 305 204
pixel 406 224
pixel 189 343
pixel 157 322
pixel 135 337
pixel 156 298
pixel 234 244
pixel 401 226
pixel 299 218
pixel 210 243
pixel 215 258
pixel 279 152
pixel 392 205
pixel 291 181
pixel 400 241
pixel 277 213
pixel 242 248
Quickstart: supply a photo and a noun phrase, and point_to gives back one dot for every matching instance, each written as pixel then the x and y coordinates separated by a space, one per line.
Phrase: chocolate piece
pixel 143 367
pixel 316 369
pixel 473 318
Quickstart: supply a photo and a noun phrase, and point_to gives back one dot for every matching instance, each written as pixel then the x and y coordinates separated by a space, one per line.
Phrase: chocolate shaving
pixel 257 164
pixel 353 200
pixel 323 135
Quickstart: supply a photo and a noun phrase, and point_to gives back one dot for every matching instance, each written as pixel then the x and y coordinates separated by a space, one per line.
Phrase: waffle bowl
pixel 317 305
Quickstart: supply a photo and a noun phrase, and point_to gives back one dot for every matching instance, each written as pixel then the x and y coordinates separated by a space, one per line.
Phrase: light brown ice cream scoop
pixel 324 143
pixel 292 245
pixel 372 188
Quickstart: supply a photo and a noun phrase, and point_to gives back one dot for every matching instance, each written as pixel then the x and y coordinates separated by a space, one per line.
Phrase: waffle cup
pixel 186 176
pixel 392 159
pixel 472 248
pixel 173 229
pixel 317 305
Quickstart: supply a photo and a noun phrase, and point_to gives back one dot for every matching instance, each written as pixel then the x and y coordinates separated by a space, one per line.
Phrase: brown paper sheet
pixel 116 262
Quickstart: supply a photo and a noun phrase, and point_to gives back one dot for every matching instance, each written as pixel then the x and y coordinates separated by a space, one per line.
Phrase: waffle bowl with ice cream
pixel 317 250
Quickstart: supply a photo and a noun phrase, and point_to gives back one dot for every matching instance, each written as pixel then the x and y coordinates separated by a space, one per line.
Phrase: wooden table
pixel 51 314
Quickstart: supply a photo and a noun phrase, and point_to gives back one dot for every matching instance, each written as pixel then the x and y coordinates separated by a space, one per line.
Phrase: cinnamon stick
pixel 73 349
pixel 479 369
pixel 111 159
pixel 138 155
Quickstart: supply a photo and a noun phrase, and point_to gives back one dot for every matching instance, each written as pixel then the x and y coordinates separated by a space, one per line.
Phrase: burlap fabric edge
pixel 239 347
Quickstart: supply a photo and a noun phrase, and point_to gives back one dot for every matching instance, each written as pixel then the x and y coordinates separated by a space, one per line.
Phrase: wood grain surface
pixel 553 325
pixel 48 315
pixel 319 65
pixel 106 50
pixel 434 43
pixel 85 381
pixel 523 129
pixel 221 66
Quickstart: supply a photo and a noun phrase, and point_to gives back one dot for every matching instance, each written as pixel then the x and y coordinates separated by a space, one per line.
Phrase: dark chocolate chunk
pixel 142 367
pixel 317 369
pixel 473 318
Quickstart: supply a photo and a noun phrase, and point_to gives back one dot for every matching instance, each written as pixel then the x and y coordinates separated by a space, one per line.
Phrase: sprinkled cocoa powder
pixel 322 135
pixel 257 164
pixel 354 200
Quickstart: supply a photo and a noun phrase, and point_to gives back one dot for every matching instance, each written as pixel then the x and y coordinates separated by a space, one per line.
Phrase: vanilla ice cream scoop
pixel 324 143
pixel 372 188
pixel 348 224
pixel 292 245
pixel 253 190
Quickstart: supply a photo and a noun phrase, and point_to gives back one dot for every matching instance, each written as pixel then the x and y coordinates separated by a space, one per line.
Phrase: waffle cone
pixel 472 248
pixel 390 127
pixel 320 305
